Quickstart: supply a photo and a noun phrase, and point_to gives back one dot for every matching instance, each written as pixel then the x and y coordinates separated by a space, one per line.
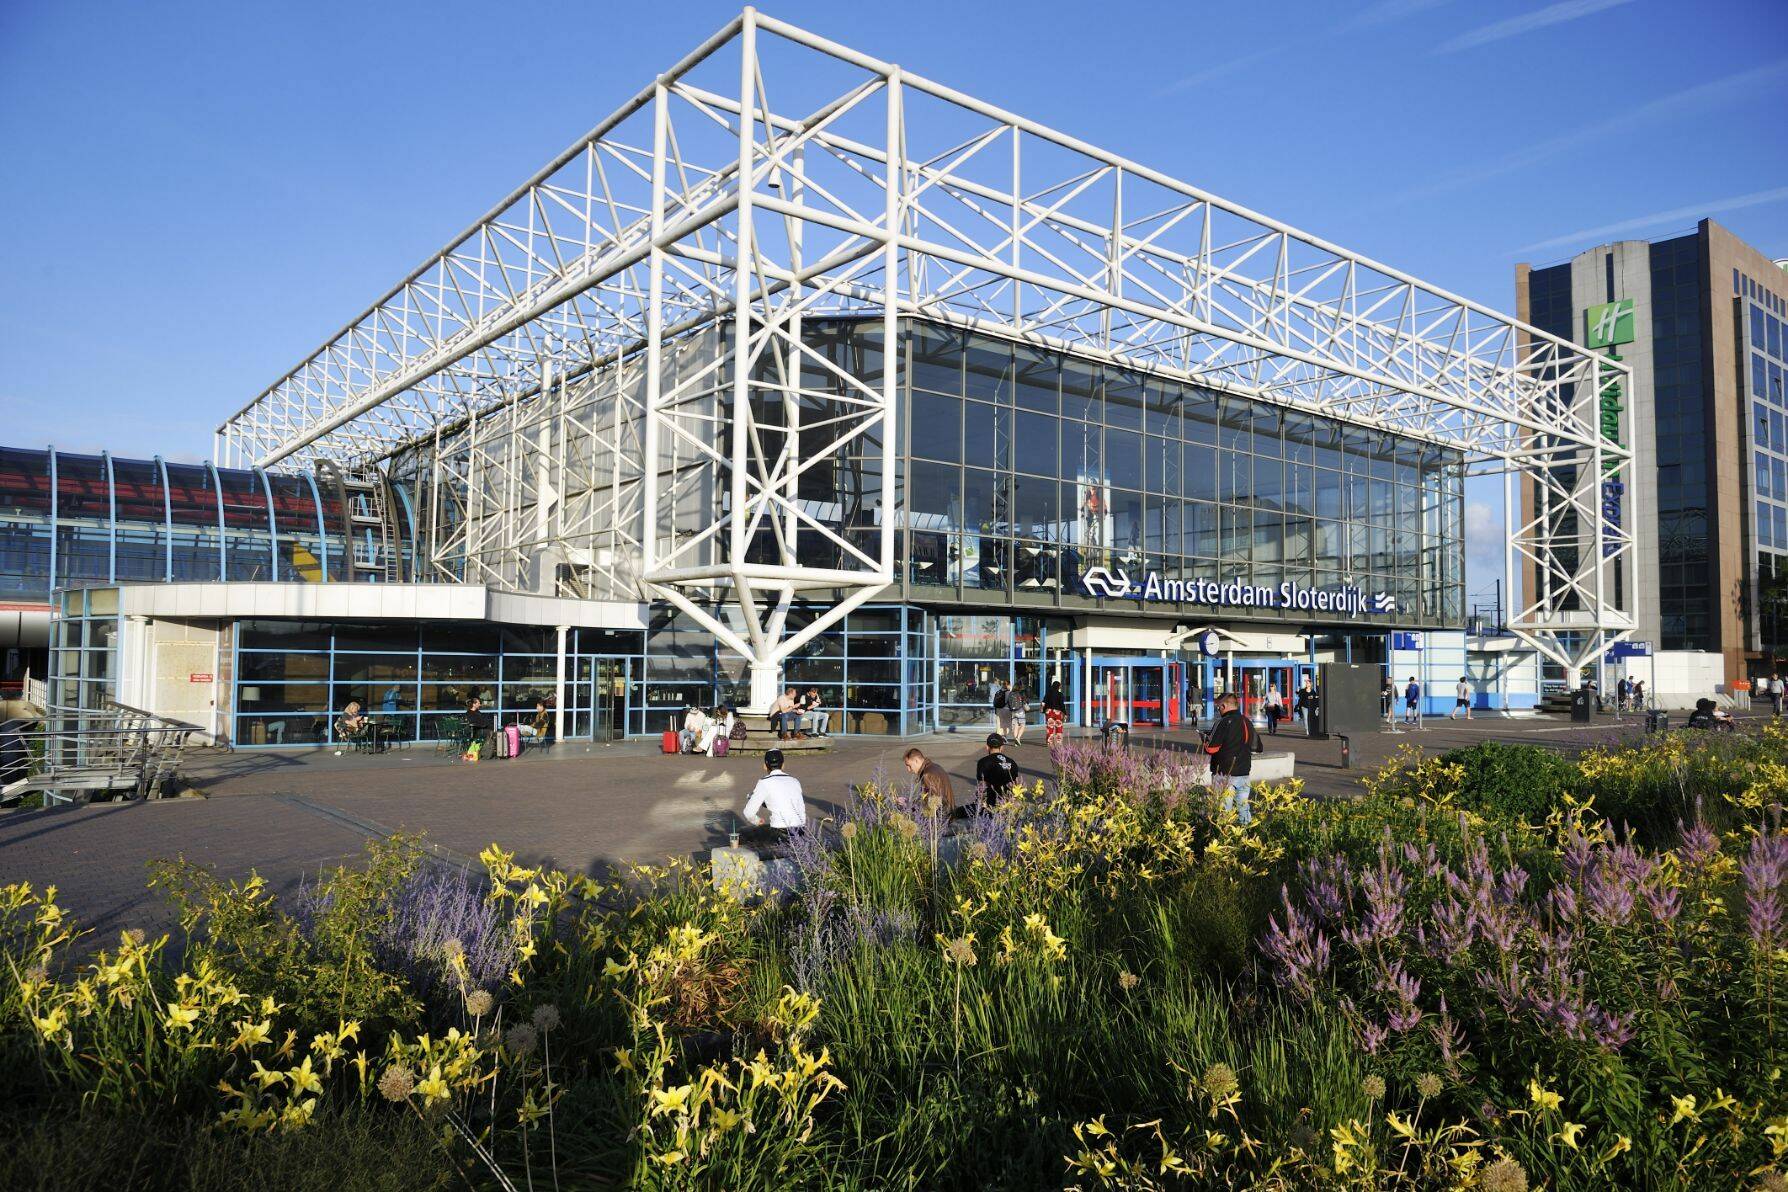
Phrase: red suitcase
pixel 720 746
pixel 672 742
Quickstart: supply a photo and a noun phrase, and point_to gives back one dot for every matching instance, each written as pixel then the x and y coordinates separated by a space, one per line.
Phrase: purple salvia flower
pixel 1764 868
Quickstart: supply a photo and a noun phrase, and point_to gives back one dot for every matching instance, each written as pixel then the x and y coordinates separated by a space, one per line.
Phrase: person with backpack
pixel 996 773
pixel 1002 713
pixel 1018 711
pixel 1274 707
pixel 1230 748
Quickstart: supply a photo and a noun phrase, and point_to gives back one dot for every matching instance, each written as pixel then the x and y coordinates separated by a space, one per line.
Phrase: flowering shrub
pixel 1634 979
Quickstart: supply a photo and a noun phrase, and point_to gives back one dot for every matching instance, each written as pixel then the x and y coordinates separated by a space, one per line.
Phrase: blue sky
pixel 196 194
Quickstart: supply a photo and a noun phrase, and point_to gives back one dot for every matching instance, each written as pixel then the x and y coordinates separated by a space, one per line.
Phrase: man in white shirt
pixel 779 794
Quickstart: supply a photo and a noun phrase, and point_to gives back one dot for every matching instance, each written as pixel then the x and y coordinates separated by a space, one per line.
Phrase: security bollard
pixel 1346 751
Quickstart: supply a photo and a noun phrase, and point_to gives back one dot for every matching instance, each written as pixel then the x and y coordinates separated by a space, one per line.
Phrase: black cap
pixel 995 741
pixel 772 759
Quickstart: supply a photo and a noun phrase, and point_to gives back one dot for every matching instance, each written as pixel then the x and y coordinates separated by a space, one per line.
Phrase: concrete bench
pixel 757 744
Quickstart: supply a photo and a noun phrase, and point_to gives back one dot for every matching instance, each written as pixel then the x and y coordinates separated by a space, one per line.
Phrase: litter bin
pixel 1116 734
pixel 1657 721
pixel 1582 705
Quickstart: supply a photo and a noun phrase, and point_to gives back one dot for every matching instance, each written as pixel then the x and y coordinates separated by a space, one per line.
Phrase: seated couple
pixel 794 715
pixel 702 728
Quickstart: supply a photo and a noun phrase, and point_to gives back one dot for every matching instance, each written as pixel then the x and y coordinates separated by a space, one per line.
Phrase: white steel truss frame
pixel 773 175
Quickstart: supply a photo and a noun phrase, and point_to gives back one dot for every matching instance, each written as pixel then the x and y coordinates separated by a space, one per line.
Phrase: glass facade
pixel 1681 404
pixel 292 678
pixel 69 520
pixel 84 650
pixel 1024 467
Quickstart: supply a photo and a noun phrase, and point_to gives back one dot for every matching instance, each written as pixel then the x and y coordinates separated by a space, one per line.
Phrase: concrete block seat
pixel 757 743
pixel 1273 767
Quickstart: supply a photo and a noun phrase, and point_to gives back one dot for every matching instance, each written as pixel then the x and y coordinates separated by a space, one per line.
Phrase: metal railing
pixel 77 753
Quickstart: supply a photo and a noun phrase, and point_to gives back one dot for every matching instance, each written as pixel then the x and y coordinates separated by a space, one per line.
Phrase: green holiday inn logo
pixel 1609 324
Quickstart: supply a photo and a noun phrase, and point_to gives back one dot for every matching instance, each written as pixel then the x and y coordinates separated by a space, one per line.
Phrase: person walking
pixel 1623 694
pixel 1639 694
pixel 1018 711
pixel 1461 699
pixel 1775 694
pixel 1306 706
pixel 1002 715
pixel 1274 707
pixel 995 773
pixel 1412 703
pixel 1387 699
pixel 779 794
pixel 1055 713
pixel 1230 748
pixel 934 780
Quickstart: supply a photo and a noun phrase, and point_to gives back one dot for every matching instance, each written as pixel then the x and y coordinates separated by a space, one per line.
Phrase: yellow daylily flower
pixel 671 1100
pixel 303 1079
pixel 251 1034
pixel 434 1088
pixel 181 1016
pixel 1685 1108
pixel 1544 1098
pixel 1568 1131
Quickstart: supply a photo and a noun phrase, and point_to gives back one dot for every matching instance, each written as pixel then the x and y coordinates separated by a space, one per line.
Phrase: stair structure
pixel 375 553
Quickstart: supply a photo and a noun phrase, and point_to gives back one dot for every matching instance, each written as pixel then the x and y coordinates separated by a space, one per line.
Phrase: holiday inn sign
pixel 1605 327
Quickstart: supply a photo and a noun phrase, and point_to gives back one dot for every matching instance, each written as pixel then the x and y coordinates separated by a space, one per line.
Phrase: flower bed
pixel 1114 985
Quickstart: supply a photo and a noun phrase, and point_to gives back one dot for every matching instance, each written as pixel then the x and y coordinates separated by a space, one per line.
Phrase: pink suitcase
pixel 720 746
pixel 513 732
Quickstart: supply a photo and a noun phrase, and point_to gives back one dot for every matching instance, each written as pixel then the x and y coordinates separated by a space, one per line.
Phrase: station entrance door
pixel 1139 692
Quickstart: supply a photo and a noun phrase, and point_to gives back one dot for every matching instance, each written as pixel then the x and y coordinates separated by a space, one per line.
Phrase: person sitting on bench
pixel 779 794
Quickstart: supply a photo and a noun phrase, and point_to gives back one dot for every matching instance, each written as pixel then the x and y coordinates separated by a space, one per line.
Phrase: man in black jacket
pixel 996 772
pixel 1231 750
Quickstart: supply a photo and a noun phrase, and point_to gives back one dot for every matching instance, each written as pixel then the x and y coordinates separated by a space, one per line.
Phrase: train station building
pixel 802 370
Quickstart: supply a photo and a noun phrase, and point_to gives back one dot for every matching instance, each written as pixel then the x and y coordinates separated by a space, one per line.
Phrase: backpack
pixel 999 700
pixel 738 730
pixel 1015 701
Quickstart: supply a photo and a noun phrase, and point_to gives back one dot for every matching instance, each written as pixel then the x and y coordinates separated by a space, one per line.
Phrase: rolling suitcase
pixel 512 737
pixel 672 743
pixel 720 746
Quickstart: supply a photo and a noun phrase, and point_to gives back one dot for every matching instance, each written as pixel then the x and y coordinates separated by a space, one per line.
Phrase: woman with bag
pixel 1018 711
pixel 1275 709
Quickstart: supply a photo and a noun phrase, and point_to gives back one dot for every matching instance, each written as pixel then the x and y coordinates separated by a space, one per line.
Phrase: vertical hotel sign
pixel 1606 327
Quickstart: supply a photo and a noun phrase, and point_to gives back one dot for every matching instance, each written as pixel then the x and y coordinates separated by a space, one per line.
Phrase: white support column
pixel 559 687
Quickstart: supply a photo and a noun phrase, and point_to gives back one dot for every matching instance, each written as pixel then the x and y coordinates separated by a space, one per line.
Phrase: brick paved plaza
pixel 578 807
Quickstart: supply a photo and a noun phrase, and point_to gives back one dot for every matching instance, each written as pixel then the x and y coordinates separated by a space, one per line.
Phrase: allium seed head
pixel 520 1039
pixel 1504 1175
pixel 848 831
pixel 397 1083
pixel 1220 1081
pixel 479 1003
pixel 1428 1085
pixel 1128 980
pixel 1373 1087
pixel 546 1017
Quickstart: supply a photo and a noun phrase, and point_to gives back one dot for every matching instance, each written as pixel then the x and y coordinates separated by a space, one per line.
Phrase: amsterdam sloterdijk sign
pixel 1117 585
